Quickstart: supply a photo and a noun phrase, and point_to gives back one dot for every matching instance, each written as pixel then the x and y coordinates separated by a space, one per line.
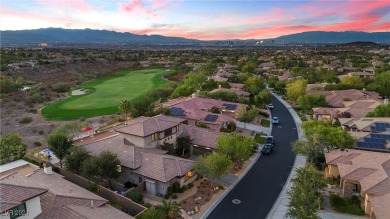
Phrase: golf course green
pixel 104 95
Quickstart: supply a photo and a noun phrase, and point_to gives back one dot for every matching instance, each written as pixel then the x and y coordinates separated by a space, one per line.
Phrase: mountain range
pixel 69 37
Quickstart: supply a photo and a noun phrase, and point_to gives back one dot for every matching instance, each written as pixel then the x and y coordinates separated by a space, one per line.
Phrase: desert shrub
pixel 174 196
pixel 37 144
pixel 32 110
pixel 36 98
pixel 25 120
pixel 41 132
pixel 61 87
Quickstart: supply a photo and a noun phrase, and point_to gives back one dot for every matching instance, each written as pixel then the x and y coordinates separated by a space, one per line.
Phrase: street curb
pixel 298 160
pixel 231 187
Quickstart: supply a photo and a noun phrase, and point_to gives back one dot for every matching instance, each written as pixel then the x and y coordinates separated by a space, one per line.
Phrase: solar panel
pixel 380 124
pixel 230 106
pixel 176 111
pixel 371 145
pixel 211 118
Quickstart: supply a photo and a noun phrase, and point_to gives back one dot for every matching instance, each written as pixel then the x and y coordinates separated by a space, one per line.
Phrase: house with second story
pixel 137 143
pixel 29 192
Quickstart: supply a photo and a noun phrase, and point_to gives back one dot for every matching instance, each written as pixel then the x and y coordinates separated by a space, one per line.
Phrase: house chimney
pixel 193 95
pixel 91 203
pixel 219 86
pixel 385 101
pixel 47 170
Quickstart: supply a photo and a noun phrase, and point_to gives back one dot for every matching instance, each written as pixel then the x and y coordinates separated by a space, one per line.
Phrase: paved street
pixel 260 187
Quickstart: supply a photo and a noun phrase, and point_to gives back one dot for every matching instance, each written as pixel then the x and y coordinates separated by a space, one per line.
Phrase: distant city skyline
pixel 199 19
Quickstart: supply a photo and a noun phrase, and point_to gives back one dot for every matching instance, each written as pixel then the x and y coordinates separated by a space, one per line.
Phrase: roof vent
pixel 48 170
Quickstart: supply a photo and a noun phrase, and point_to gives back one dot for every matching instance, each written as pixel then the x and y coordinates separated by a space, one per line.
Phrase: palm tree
pixel 124 107
pixel 170 208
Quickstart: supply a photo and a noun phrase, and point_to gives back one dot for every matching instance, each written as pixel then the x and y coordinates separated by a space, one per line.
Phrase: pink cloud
pixel 80 5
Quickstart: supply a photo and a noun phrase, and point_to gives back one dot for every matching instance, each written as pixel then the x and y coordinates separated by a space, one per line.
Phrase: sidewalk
pixel 280 208
pixel 256 128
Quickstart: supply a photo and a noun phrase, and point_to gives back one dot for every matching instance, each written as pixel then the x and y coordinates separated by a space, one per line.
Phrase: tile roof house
pixel 197 109
pixel 46 194
pixel 239 92
pixel 151 165
pixel 371 133
pixel 365 174
pixel 351 109
pixel 346 103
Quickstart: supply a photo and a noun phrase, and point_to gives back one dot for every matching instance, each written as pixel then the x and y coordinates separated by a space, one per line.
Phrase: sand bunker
pixel 79 92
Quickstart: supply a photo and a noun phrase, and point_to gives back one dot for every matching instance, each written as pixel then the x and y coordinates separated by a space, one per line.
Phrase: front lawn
pixel 346 205
pixel 260 138
pixel 265 122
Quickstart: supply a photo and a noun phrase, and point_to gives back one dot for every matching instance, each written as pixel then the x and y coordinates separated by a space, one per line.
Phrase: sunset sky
pixel 199 19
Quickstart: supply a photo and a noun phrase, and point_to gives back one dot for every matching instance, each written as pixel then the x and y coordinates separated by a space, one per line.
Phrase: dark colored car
pixel 269 140
pixel 267 149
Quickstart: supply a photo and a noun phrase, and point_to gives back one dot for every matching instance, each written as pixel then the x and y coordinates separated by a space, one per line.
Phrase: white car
pixel 270 106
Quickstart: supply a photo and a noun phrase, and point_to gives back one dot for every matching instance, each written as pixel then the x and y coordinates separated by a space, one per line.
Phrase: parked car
pixel 269 140
pixel 270 106
pixel 275 120
pixel 266 149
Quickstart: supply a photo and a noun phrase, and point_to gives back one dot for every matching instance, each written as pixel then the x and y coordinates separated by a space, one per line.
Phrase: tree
pixel 308 101
pixel 213 166
pixel 254 85
pixel 105 166
pixel 263 98
pixel 352 80
pixel 305 199
pixel 331 137
pixel 296 89
pixel 246 116
pixel 11 148
pixel 141 107
pixel 170 208
pixel 209 85
pixel 237 147
pixel 381 84
pixel 183 146
pixel 124 107
pixel 59 142
pixel 75 158
pixel 382 110
pixel 189 85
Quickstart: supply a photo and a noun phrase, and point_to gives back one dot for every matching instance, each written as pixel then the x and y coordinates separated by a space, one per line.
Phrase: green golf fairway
pixel 105 94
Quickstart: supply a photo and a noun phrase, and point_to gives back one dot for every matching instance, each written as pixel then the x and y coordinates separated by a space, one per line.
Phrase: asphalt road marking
pixel 236 201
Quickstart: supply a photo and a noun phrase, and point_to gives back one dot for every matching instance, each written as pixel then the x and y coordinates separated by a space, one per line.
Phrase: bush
pixel 41 132
pixel 136 196
pixel 37 144
pixel 190 185
pixel 92 186
pixel 32 110
pixel 25 120
pixel 61 87
pixel 176 187
pixel 174 196
pixel 346 205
